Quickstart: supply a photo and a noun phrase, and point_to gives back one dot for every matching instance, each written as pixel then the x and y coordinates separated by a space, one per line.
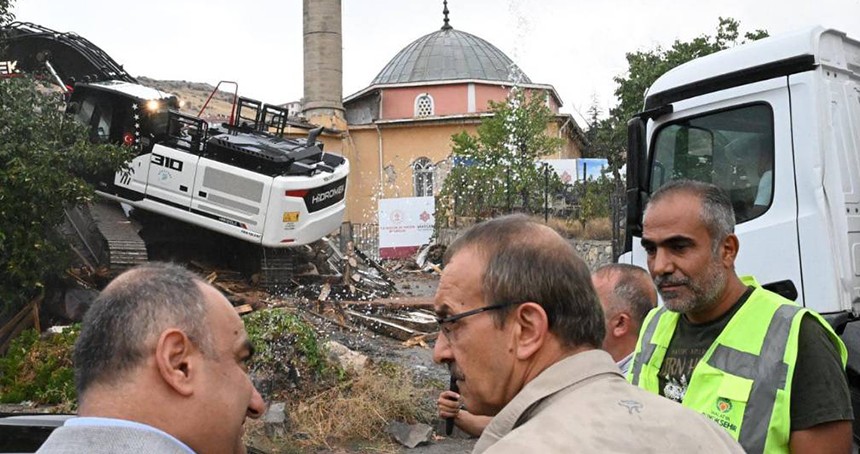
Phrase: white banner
pixel 404 225
pixel 564 168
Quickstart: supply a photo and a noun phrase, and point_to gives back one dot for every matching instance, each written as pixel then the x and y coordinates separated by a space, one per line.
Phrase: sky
pixel 577 46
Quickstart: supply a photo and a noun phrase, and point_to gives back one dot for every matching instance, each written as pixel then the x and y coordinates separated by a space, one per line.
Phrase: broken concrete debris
pixel 276 424
pixel 410 435
pixel 349 360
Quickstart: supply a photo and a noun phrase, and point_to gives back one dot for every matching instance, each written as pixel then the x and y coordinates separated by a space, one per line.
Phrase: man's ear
pixel 532 328
pixel 175 357
pixel 620 324
pixel 729 250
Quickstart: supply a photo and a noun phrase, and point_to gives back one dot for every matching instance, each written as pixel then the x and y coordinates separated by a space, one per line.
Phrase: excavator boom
pixel 28 47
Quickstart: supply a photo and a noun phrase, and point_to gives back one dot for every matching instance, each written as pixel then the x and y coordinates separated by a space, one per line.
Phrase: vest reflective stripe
pixel 646 348
pixel 768 372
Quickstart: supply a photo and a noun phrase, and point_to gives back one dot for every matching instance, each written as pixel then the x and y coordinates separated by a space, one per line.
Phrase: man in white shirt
pixel 160 366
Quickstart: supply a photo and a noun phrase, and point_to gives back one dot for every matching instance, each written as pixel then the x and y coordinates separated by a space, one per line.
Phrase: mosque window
pixel 422 177
pixel 423 105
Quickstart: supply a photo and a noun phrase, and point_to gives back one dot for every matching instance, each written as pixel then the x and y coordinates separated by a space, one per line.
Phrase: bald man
pixel 627 294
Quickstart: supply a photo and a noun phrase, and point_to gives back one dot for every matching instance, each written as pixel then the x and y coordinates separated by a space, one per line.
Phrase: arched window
pixel 422 177
pixel 423 105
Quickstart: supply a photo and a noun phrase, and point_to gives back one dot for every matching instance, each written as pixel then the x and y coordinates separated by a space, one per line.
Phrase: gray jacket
pixel 105 440
pixel 583 404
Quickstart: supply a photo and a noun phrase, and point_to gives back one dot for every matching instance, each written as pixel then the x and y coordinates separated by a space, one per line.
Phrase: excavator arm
pixel 69 58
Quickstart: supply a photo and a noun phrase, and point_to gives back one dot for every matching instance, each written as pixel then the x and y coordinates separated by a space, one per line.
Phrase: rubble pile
pixel 340 287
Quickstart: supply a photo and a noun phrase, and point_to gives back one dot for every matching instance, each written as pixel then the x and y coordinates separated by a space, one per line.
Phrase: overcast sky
pixel 575 45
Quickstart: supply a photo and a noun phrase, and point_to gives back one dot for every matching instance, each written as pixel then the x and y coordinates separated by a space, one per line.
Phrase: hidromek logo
pixel 323 196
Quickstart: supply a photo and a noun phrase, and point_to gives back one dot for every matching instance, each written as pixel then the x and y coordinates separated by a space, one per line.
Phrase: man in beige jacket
pixel 521 328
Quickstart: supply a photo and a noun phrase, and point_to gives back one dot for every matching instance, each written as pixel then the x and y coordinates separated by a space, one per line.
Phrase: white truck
pixel 776 123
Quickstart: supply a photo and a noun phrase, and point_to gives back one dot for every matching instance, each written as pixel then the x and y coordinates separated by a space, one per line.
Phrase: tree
pixel 593 119
pixel 497 169
pixel 6 15
pixel 594 196
pixel 43 156
pixel 644 67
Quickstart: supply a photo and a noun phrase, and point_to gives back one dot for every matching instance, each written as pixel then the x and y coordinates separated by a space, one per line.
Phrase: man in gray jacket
pixel 521 328
pixel 160 366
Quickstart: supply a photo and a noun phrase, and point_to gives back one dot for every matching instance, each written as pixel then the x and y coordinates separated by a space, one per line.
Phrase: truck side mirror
pixel 637 184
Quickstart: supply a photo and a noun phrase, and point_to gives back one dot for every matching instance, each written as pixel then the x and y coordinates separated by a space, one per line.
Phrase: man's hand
pixel 448 404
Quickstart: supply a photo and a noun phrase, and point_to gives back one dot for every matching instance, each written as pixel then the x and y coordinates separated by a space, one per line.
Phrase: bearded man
pixel 765 369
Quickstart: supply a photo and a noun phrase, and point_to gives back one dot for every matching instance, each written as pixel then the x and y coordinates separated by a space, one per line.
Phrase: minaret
pixel 323 64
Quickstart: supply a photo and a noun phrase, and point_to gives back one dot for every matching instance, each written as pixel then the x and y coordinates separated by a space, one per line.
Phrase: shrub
pixel 39 369
pixel 288 354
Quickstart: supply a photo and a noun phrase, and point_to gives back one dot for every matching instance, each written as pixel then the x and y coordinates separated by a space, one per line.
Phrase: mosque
pixel 397 131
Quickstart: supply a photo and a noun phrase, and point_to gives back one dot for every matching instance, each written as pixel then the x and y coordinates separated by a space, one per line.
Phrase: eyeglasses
pixel 445 323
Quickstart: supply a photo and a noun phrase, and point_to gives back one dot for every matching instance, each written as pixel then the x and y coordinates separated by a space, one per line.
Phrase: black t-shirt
pixel 819 388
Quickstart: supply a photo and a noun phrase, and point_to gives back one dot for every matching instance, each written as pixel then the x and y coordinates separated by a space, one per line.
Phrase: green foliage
pixel 644 67
pixel 6 15
pixel 39 369
pixel 43 155
pixel 497 170
pixel 594 198
pixel 288 352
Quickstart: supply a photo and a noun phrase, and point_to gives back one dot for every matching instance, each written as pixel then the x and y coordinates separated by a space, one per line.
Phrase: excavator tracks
pixel 277 266
pixel 103 236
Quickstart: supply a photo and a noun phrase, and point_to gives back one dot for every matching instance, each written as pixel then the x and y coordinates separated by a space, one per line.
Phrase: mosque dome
pixel 449 54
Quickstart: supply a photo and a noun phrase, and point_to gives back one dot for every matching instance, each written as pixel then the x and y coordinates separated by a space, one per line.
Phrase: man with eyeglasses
pixel 520 330
pixel 626 294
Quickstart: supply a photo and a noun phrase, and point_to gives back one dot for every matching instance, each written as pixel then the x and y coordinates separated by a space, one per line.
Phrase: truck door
pixel 739 139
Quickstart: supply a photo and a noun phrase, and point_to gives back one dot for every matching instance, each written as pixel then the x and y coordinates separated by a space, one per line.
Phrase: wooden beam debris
pixel 406 302
pixel 382 326
pixel 244 309
pixel 417 320
pixel 28 315
pixel 421 340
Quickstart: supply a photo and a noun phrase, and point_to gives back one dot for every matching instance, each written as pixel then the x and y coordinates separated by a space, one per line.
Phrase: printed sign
pixel 404 225
pixel 564 168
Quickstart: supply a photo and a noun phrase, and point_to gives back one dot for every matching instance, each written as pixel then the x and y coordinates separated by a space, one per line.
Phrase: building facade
pixel 400 126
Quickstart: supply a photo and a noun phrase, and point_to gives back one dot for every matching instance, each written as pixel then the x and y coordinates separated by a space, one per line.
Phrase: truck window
pixel 732 149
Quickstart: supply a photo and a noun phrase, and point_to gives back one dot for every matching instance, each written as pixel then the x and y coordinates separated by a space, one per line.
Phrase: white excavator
pixel 238 188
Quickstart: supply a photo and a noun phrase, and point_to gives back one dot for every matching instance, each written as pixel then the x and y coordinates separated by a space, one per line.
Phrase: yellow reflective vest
pixel 743 381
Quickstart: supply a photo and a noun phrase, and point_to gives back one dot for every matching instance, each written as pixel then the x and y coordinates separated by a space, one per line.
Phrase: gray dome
pixel 449 54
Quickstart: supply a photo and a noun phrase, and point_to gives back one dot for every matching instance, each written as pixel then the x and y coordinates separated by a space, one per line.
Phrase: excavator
pixel 239 187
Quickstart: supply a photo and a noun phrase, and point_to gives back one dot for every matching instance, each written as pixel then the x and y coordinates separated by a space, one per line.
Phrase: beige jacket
pixel 583 404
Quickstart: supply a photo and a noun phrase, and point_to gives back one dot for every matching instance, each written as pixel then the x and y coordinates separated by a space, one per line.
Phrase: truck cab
pixel 776 123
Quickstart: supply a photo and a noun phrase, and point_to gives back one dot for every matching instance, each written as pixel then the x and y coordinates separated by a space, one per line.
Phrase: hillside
pixel 192 96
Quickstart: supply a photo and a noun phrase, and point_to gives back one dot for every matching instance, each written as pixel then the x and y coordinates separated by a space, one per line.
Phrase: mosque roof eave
pixel 370 89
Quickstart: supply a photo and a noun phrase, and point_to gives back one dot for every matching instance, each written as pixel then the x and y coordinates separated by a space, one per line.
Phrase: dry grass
pixel 355 412
pixel 595 229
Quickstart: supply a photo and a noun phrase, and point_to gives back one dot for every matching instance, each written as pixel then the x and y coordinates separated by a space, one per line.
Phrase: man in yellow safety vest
pixel 765 369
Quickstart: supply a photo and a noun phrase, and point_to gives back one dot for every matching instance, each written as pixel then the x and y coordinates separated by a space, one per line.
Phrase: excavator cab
pixel 115 116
